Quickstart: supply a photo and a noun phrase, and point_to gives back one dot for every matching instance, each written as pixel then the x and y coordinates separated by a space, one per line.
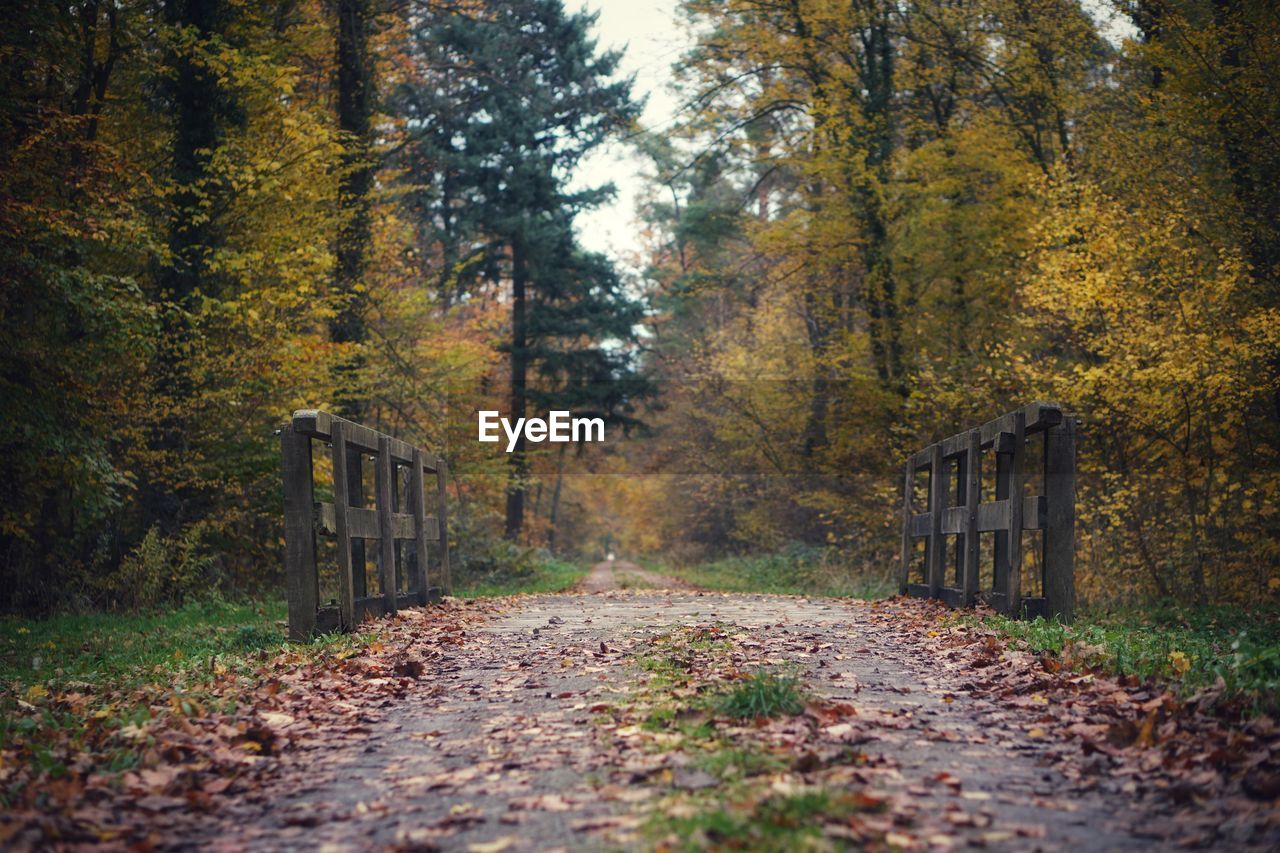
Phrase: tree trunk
pixel 355 108
pixel 555 500
pixel 518 465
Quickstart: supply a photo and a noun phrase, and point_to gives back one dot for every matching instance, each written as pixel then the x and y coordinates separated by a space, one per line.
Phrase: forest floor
pixel 680 719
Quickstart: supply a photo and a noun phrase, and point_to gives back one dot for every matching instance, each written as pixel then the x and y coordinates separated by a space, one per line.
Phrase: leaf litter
pixel 531 722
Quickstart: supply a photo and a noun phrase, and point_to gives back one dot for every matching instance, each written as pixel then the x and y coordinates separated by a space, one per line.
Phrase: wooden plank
pixel 907 487
pixel 1033 607
pixel 921 524
pixel 973 498
pixel 418 512
pixel 364 524
pixel 1034 512
pixel 937 506
pixel 1017 473
pixel 956 445
pixel 921 459
pixel 918 590
pixel 346 588
pixel 1035 417
pixel 952 597
pixel 1060 519
pixel 442 473
pixel 993 515
pixel 386 535
pixel 955 520
pixel 302 581
pixel 328 620
pixel 319 424
pixel 374 606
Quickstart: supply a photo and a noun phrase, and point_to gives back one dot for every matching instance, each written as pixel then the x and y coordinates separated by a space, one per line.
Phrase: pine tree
pixel 528 97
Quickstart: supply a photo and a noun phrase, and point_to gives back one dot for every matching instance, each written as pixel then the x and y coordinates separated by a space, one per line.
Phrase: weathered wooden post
pixel 386 530
pixel 446 581
pixel 1017 477
pixel 299 534
pixel 1060 527
pixel 356 499
pixel 972 498
pixel 937 551
pixel 418 498
pixel 341 526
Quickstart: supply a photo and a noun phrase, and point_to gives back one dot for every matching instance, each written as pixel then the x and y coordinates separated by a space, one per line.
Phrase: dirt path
pixel 608 575
pixel 505 741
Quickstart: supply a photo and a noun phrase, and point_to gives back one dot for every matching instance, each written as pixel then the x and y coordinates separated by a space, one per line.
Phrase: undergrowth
pixel 502 568
pixel 796 570
pixel 1191 649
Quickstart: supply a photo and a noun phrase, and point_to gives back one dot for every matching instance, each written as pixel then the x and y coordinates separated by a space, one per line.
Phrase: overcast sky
pixel 647 29
pixel 653 41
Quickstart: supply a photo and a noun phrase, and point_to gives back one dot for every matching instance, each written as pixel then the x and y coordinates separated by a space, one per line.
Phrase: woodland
pixel 869 225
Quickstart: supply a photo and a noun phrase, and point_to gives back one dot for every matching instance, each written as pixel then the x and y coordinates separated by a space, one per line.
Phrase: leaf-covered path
pixel 539 724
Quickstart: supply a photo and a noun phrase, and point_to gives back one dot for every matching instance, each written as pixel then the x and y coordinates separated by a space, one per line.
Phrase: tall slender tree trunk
pixel 555 500
pixel 818 328
pixel 355 109
pixel 518 470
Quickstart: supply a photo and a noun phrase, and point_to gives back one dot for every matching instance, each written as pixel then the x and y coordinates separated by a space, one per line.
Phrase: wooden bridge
pixel 398 518
pixel 955 508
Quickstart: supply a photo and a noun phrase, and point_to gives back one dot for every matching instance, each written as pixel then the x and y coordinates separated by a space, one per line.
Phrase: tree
pixel 356 89
pixel 528 97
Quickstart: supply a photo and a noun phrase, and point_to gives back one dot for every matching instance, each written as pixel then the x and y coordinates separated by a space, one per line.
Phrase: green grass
pixel 548 575
pixel 776 822
pixel 118 649
pixel 763 694
pixel 794 571
pixel 1188 648
pixel 70 683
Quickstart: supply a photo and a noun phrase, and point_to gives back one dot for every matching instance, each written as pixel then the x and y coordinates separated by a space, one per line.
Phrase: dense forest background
pixel 873 224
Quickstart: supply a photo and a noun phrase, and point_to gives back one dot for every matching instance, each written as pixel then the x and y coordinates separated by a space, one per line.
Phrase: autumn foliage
pixel 870 226
pixel 880 223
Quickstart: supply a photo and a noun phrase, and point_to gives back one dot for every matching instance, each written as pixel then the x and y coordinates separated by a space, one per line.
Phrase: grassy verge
pixel 546 575
pixel 795 571
pixel 71 686
pixel 1234 650
pixel 111 649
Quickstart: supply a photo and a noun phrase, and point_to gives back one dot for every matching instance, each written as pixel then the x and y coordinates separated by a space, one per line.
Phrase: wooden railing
pixel 960 512
pixel 399 517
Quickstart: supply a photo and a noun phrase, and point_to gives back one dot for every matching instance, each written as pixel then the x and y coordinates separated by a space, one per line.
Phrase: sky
pixel 653 41
pixel 647 29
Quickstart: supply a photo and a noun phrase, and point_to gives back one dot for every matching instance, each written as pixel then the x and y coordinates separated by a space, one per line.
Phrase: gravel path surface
pixel 498 744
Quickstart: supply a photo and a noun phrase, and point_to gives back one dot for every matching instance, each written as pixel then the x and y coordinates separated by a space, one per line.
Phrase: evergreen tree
pixel 511 102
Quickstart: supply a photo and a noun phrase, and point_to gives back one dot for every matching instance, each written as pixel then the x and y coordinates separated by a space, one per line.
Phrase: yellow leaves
pixel 1179 662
